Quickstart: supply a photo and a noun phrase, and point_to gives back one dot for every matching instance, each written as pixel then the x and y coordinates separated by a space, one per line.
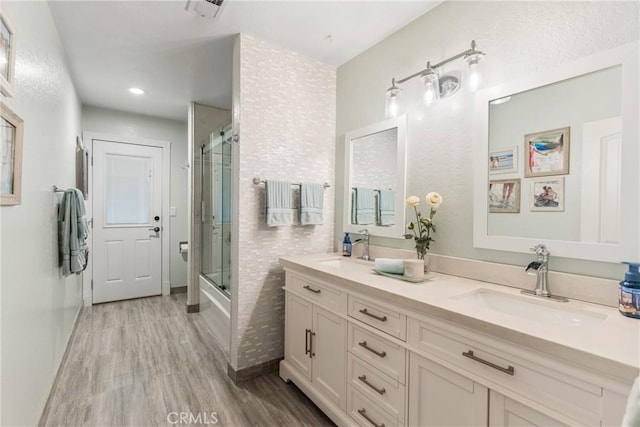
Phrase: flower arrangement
pixel 421 230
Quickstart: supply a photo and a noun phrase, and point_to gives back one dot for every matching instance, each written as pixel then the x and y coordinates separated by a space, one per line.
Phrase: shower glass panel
pixel 215 259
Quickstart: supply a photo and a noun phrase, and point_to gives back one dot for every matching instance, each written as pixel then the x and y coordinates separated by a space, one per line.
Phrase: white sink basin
pixel 530 308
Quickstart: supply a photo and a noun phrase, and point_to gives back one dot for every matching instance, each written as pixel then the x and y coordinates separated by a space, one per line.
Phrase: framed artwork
pixel 547 153
pixel 504 196
pixel 12 129
pixel 547 194
pixel 503 160
pixel 7 56
pixel 82 168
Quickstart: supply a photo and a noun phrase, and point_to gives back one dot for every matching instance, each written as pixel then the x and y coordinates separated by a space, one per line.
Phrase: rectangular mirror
pixel 556 160
pixel 375 163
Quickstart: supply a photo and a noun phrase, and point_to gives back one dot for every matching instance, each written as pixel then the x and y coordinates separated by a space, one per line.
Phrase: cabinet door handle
pixel 363 412
pixel 509 371
pixel 364 345
pixel 307 350
pixel 311 335
pixel 380 318
pixel 309 288
pixel 363 378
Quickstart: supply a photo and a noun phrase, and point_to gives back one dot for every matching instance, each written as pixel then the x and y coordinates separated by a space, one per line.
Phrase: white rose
pixel 413 201
pixel 434 199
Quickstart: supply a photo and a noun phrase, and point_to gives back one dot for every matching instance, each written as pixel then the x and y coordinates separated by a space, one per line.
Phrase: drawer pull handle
pixel 307 349
pixel 366 313
pixel 509 371
pixel 364 345
pixel 363 378
pixel 309 288
pixel 363 412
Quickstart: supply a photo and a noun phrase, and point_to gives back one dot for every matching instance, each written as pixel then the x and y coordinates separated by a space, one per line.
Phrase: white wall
pixel 520 38
pixel 120 123
pixel 38 305
pixel 284 110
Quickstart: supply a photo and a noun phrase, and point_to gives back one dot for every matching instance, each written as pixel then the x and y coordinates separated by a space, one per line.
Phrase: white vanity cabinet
pixel 371 361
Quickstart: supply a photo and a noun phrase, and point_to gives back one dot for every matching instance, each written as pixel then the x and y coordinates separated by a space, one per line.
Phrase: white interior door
pixel 127 206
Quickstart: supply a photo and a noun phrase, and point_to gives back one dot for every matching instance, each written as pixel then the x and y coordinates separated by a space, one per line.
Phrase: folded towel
pixel 311 201
pixel 364 206
pixel 278 195
pixel 386 207
pixel 632 414
pixel 390 265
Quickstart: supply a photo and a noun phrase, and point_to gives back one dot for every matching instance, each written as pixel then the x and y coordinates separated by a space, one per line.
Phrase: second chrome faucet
pixel 541 268
pixel 364 241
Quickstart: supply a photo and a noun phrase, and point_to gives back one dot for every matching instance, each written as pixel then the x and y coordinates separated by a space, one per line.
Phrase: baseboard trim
pixel 259 370
pixel 47 405
pixel 178 290
pixel 193 308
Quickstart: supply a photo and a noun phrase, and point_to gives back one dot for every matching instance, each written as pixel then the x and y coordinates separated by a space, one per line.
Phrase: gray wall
pixel 38 305
pixel 520 38
pixel 120 123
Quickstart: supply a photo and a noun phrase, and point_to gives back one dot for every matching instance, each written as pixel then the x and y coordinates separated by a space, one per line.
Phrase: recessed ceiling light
pixel 136 91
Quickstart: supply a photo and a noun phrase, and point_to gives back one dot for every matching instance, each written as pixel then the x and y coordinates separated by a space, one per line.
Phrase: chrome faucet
pixel 541 268
pixel 365 242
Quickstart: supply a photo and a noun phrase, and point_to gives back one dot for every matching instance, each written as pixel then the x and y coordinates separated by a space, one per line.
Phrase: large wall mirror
pixel 557 159
pixel 375 163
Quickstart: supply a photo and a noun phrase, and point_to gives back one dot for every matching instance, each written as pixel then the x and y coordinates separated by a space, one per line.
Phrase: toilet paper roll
pixel 414 268
pixel 184 247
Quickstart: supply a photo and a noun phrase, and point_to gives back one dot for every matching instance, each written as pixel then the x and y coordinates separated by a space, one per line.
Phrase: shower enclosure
pixel 215 261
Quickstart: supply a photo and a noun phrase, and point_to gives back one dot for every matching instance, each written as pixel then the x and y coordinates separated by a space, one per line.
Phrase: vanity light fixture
pixel 431 80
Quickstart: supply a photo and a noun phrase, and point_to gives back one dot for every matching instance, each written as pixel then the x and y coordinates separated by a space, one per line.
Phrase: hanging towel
pixel 365 213
pixel 386 207
pixel 632 414
pixel 72 232
pixel 279 206
pixel 311 201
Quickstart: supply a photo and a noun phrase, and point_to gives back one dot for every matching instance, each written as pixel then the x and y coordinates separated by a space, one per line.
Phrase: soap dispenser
pixel 346 245
pixel 629 296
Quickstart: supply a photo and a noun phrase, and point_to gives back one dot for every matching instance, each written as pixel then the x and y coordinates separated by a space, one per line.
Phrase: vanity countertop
pixel 612 346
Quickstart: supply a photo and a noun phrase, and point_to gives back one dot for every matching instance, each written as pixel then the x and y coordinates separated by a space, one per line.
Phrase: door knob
pixel 156 229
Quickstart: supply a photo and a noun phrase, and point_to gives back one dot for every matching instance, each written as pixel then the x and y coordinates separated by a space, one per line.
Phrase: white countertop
pixel 611 347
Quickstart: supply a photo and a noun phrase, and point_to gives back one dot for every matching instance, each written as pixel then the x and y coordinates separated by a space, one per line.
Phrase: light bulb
pixel 431 86
pixel 392 104
pixel 429 95
pixel 474 76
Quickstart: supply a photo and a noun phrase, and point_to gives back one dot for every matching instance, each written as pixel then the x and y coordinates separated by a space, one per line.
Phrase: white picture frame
pixel 7 55
pixel 547 194
pixel 503 160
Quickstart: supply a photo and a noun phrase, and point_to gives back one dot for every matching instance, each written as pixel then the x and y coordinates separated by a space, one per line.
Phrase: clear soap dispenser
pixel 629 296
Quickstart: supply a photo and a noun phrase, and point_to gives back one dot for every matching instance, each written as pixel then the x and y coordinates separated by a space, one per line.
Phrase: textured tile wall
pixel 287 132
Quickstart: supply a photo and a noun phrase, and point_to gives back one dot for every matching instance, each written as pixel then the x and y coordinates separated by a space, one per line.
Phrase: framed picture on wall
pixel 503 160
pixel 82 168
pixel 547 153
pixel 547 194
pixel 12 130
pixel 7 55
pixel 504 196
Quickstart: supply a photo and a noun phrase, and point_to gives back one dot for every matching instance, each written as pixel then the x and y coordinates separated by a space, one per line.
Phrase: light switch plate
pixel 173 211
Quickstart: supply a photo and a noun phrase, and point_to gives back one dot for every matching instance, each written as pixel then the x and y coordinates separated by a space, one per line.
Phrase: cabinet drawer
pixel 383 354
pixel 387 394
pixel 366 412
pixel 321 294
pixel 548 383
pixel 387 320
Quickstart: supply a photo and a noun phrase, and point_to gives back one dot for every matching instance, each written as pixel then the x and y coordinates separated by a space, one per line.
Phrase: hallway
pixel 145 361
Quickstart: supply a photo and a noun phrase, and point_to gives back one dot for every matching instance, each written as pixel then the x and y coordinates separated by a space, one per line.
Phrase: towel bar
pixel 57 190
pixel 258 181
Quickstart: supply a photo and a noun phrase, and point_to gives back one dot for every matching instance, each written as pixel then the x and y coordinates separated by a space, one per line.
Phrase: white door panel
pixel 127 194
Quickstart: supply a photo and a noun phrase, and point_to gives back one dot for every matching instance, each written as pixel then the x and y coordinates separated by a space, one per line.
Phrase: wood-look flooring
pixel 143 362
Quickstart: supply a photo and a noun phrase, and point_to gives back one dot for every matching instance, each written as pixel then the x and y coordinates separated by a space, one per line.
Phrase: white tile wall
pixel 286 125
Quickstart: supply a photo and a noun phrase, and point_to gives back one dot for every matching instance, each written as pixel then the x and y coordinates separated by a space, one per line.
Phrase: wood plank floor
pixel 143 362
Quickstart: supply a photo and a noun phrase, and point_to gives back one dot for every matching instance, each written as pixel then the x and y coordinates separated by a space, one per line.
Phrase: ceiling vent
pixel 206 8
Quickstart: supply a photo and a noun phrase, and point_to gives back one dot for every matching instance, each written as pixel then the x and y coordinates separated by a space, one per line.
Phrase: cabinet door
pixel 441 397
pixel 298 317
pixel 504 412
pixel 329 349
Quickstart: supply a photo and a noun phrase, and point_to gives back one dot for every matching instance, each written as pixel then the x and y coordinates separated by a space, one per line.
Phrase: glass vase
pixel 425 257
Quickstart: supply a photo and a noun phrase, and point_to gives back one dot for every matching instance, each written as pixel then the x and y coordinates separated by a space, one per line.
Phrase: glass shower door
pixel 215 251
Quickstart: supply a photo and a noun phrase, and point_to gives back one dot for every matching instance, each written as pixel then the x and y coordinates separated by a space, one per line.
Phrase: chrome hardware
pixel 311 335
pixel 365 242
pixel 541 268
pixel 307 350
pixel 509 371
pixel 363 412
pixel 156 229
pixel 364 345
pixel 309 288
pixel 366 313
pixel 363 378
